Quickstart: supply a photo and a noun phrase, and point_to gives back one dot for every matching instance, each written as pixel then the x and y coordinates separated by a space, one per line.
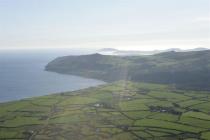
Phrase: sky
pixel 120 24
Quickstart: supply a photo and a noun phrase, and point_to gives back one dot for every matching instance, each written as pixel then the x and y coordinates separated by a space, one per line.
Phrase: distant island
pixel 184 70
pixel 111 51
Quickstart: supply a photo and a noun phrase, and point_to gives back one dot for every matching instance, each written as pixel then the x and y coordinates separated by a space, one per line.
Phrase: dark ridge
pixel 185 70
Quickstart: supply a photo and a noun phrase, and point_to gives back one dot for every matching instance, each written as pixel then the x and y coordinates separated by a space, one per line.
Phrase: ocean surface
pixel 22 75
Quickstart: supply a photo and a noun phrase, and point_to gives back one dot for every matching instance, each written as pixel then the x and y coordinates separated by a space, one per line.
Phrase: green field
pixel 116 111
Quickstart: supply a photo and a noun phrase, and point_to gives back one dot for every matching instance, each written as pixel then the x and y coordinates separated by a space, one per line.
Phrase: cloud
pixel 202 19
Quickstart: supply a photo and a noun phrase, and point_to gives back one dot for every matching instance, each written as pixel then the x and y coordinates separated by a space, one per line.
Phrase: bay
pixel 22 75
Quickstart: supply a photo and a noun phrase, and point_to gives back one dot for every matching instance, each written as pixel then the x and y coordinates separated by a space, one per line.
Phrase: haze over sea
pixel 22 75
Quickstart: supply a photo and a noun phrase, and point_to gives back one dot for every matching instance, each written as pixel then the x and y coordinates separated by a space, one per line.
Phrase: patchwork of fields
pixel 116 111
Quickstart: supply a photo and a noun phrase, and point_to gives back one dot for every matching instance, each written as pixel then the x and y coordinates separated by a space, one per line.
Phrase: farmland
pixel 117 111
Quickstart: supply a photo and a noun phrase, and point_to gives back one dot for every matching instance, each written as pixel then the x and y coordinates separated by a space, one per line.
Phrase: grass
pixel 167 125
pixel 206 135
pixel 116 111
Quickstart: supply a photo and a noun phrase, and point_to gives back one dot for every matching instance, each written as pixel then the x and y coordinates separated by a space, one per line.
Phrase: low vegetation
pixel 117 111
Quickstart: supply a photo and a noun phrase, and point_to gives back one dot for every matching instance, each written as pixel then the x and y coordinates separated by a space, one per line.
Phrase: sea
pixel 22 74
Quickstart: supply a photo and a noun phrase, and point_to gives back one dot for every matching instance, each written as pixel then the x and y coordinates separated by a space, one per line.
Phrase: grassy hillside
pixel 116 111
pixel 188 70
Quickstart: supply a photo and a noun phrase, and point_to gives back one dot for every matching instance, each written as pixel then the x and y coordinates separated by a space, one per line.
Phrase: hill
pixel 185 70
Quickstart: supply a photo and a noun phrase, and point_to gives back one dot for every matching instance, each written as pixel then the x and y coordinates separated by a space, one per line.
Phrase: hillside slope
pixel 189 70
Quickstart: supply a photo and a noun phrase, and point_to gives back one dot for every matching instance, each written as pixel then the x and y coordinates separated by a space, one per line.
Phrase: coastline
pixel 66 91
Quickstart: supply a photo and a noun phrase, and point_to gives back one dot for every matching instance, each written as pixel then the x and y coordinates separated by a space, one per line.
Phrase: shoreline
pixel 60 92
